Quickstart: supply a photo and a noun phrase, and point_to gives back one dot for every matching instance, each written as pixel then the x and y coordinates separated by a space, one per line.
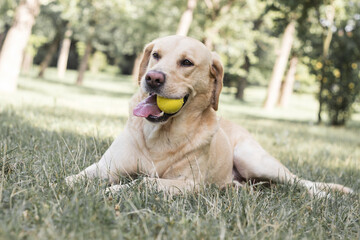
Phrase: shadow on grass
pixel 79 89
pixel 351 124
pixel 65 113
pixel 231 100
pixel 304 130
pixel 40 146
pixel 256 104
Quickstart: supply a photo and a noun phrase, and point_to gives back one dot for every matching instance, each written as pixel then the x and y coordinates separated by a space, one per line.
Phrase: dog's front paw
pixel 71 180
pixel 347 190
pixel 117 188
pixel 114 189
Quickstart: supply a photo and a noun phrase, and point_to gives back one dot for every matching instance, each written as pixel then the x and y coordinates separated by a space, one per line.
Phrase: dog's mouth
pixel 149 109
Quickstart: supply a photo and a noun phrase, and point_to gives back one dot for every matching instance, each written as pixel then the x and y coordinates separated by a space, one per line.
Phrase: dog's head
pixel 178 67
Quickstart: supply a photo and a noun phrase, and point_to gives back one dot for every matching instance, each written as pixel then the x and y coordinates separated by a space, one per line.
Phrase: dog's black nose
pixel 155 79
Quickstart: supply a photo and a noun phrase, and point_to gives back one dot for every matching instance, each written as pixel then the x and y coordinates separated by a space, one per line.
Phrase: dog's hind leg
pixel 253 162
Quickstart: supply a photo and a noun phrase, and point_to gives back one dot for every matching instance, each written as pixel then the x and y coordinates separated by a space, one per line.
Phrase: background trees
pixel 15 42
pixel 278 44
pixel 330 43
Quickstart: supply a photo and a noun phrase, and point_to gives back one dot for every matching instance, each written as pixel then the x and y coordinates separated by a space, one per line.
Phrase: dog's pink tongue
pixel 147 107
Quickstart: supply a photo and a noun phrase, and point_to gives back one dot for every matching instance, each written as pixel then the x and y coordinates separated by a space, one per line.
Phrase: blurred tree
pixel 53 46
pixel 280 66
pixel 122 28
pixel 259 39
pixel 288 84
pixel 216 9
pixel 84 61
pixel 237 43
pixel 340 72
pixel 119 29
pixel 92 16
pixel 341 79
pixel 15 43
pixel 242 81
pixel 27 61
pixel 330 14
pixel 97 62
pixel 140 29
pixel 137 28
pixel 332 45
pixel 186 18
pixel 51 25
pixel 54 23
pixel 290 14
pixel 34 43
pixel 64 52
pixel 7 12
pixel 69 14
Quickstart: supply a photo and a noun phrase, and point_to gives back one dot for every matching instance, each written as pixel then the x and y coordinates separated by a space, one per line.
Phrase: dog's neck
pixel 172 132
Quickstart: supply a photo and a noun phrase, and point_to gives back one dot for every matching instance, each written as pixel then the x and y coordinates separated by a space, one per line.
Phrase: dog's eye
pixel 186 63
pixel 156 55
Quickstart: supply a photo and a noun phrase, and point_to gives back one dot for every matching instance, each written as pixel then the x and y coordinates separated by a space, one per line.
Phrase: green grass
pixel 51 128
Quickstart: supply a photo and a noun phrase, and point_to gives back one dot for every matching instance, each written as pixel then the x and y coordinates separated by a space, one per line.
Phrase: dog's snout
pixel 155 79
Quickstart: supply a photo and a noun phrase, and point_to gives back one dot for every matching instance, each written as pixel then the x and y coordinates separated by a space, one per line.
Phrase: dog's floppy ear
pixel 145 60
pixel 217 73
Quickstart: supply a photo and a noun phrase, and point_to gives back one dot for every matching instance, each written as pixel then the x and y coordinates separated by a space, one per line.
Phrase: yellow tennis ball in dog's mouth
pixel 168 105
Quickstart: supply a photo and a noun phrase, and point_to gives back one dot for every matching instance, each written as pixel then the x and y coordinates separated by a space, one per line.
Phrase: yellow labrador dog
pixel 193 146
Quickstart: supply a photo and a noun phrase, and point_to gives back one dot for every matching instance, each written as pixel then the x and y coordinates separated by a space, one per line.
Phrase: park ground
pixel 52 128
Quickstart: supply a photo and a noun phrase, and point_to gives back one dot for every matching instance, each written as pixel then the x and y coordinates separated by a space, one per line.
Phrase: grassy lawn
pixel 51 128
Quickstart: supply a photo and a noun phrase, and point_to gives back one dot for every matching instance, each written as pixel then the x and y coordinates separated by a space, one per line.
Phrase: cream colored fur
pixel 193 147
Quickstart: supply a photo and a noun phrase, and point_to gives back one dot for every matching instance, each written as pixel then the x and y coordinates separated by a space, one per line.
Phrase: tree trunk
pixel 242 83
pixel 2 37
pixel 240 88
pixel 135 70
pixel 27 62
pixel 288 85
pixel 12 51
pixel 186 19
pixel 49 56
pixel 330 14
pixel 64 53
pixel 210 33
pixel 280 66
pixel 216 11
pixel 84 63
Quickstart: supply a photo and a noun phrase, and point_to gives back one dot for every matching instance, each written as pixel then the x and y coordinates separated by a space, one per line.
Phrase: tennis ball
pixel 168 105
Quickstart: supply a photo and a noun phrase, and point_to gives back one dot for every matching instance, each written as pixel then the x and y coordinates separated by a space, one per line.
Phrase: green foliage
pixel 49 22
pixel 80 48
pixel 98 62
pixel 142 22
pixel 342 74
pixel 305 80
pixel 50 26
pixel 120 29
pixel 238 30
pixel 35 42
pixel 7 12
pixel 339 73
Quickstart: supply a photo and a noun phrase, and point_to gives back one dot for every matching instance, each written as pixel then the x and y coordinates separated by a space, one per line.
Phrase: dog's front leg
pixel 170 186
pixel 93 171
pixel 119 160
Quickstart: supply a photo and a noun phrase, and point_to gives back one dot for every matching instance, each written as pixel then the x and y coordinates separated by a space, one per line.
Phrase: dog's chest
pixel 175 164
pixel 174 155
